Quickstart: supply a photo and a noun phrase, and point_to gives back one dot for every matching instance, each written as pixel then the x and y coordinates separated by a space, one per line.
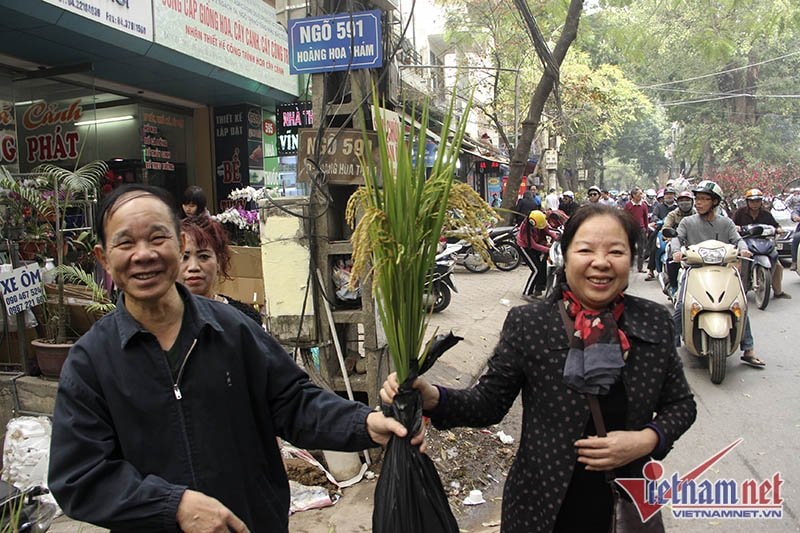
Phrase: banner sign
pixel 290 118
pixel 47 133
pixel 8 136
pixel 346 41
pixel 240 36
pixel 133 17
pixel 22 288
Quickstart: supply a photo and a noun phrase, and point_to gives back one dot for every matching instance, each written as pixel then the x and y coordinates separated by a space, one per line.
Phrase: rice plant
pixel 398 216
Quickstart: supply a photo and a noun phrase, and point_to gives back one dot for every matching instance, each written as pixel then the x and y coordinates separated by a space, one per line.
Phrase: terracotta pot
pixel 50 356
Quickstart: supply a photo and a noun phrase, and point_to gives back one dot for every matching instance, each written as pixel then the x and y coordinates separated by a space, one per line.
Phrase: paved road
pixel 760 406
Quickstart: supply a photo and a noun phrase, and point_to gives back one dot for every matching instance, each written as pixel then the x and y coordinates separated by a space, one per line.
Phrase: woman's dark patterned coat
pixel 530 357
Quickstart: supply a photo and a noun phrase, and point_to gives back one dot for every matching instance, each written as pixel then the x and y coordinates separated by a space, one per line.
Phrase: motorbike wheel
pixel 475 263
pixel 510 252
pixel 717 359
pixel 441 295
pixel 762 285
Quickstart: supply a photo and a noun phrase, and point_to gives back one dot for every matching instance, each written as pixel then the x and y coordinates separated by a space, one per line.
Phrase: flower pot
pixel 50 356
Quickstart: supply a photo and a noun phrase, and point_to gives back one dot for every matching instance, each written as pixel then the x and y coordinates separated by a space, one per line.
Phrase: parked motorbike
pixel 441 281
pixel 714 303
pixel 501 244
pixel 23 511
pixel 760 239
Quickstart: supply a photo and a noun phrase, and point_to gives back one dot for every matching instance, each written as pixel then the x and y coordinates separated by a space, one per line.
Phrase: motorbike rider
pixel 532 240
pixel 704 225
pixel 594 194
pixel 567 204
pixel 660 212
pixel 754 213
pixel 685 203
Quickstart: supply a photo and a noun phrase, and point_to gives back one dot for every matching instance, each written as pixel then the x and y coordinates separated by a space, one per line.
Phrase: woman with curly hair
pixel 206 257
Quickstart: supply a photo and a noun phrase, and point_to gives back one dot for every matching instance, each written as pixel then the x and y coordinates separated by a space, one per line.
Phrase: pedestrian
pixel 194 202
pixel 640 213
pixel 707 224
pixel 551 200
pixel 558 481
pixel 523 208
pixel 605 198
pixel 168 409
pixel 753 212
pixel 796 238
pixel 206 260
pixel 532 239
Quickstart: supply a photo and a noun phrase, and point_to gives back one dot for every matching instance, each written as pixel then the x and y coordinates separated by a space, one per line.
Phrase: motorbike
pixel 664 250
pixel 760 239
pixel 24 511
pixel 501 244
pixel 441 280
pixel 555 262
pixel 714 303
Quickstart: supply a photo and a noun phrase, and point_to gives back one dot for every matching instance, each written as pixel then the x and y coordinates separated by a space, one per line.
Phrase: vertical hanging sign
pixel 290 118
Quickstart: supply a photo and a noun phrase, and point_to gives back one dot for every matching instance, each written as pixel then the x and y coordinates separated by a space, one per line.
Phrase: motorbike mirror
pixel 755 230
pixel 669 233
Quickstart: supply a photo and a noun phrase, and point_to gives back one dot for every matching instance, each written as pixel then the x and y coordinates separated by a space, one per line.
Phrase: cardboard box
pixel 247 284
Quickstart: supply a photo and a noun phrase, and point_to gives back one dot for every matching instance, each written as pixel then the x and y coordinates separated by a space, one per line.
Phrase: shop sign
pixel 346 41
pixel 340 156
pixel 232 130
pixel 22 288
pixel 8 136
pixel 156 151
pixel 269 140
pixel 133 17
pixel 550 159
pixel 49 134
pixel 239 36
pixel 290 118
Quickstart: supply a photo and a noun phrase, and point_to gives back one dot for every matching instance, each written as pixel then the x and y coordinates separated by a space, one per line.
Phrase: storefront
pixel 139 85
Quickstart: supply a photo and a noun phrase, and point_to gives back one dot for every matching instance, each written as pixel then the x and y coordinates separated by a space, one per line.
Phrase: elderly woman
pixel 206 257
pixel 559 478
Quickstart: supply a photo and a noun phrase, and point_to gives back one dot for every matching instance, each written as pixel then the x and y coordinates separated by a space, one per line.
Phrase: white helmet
pixel 650 192
pixel 569 193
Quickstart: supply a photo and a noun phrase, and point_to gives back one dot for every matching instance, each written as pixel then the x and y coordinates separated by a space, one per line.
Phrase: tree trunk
pixel 545 86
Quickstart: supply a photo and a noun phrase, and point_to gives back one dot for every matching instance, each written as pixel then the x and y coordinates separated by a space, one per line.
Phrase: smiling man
pixel 168 409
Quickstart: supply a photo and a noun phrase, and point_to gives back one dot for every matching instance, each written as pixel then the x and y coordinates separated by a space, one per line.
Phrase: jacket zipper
pixel 176 387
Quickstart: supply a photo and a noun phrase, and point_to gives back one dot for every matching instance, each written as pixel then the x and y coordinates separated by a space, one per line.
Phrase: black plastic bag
pixel 409 497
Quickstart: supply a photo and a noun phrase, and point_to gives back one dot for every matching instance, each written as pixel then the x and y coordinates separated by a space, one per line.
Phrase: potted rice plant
pixel 399 215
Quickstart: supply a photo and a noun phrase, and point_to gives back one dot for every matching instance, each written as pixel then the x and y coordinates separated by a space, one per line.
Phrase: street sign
pixel 341 153
pixel 550 160
pixel 346 41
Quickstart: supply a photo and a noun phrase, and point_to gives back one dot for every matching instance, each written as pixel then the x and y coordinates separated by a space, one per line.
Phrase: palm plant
pixel 402 212
pixel 57 190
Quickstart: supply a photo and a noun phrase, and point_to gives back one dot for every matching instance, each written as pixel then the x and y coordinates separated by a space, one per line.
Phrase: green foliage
pixel 75 274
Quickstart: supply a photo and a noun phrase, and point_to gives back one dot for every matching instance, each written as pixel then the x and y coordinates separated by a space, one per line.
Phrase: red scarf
pixel 598 326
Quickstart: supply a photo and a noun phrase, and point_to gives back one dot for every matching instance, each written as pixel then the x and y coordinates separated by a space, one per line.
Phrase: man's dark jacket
pixel 128 439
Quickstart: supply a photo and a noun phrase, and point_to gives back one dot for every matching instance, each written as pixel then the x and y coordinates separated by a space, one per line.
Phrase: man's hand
pixel 381 428
pixel 745 253
pixel 676 257
pixel 198 513
pixel 616 449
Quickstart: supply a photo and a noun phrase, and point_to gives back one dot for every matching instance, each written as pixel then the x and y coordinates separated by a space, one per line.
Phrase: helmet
pixel 594 188
pixel 754 194
pixel 660 193
pixel 685 194
pixel 709 187
pixel 669 190
pixel 650 192
pixel 569 193
pixel 538 219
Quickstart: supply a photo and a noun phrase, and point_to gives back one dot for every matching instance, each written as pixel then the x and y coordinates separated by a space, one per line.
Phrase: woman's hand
pixel 430 394
pixel 617 449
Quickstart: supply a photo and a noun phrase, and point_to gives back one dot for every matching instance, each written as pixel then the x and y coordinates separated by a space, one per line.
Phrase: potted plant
pixel 50 196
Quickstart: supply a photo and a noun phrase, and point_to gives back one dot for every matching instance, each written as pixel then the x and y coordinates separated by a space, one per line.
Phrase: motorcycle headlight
pixel 712 256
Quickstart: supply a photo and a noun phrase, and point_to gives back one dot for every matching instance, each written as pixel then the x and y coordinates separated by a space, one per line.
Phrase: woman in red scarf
pixel 589 340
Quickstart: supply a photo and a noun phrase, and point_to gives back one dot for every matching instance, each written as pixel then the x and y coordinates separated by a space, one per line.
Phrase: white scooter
pixel 714 303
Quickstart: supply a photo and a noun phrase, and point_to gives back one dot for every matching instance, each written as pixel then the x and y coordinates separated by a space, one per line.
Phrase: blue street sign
pixel 335 42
